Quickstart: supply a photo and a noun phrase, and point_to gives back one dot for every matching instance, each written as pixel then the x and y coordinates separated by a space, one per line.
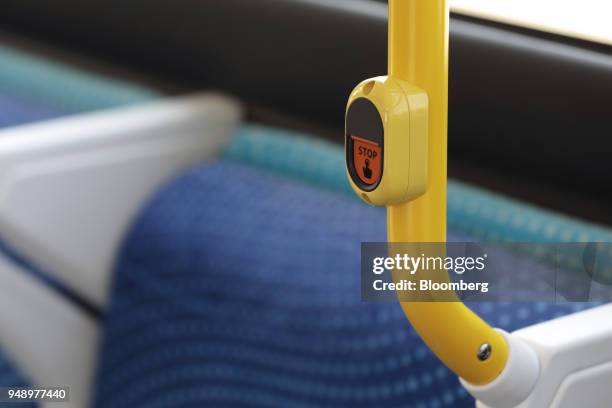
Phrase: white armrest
pixel 70 187
pixel 574 355
pixel 49 340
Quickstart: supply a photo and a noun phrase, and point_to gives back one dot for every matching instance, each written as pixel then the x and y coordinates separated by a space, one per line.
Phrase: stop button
pixel 365 149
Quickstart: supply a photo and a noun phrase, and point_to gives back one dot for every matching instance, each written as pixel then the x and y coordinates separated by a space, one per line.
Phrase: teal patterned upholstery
pixel 61 87
pixel 483 215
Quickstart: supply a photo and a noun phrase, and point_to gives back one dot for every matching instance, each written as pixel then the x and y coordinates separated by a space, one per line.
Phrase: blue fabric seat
pixel 240 288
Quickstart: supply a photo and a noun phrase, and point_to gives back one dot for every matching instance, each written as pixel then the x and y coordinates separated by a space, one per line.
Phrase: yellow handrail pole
pixel 418 53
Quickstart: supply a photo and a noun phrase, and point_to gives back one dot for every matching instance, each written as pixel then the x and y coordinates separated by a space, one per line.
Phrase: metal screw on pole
pixel 484 352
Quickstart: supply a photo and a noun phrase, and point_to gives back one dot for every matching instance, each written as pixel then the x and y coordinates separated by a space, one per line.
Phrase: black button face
pixel 364 144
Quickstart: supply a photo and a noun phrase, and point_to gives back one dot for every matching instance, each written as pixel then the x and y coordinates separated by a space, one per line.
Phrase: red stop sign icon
pixel 367 159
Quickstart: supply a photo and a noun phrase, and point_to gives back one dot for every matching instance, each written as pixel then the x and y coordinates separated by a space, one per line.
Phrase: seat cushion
pixel 237 287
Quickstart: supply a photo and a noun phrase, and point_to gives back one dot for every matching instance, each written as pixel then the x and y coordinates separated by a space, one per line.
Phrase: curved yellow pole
pixel 418 53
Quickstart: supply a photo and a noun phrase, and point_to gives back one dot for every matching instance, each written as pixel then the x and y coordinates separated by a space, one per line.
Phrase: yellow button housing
pixel 386 141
